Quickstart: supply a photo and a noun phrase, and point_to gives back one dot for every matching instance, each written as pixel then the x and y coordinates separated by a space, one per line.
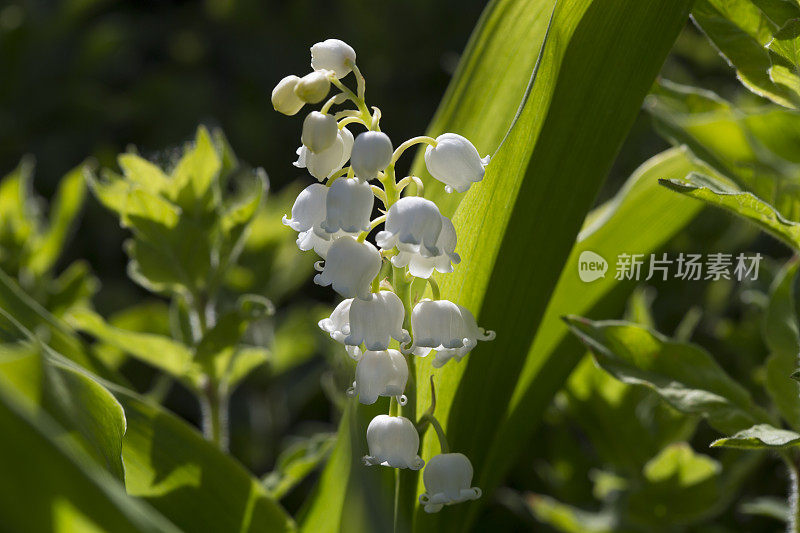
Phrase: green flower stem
pixel 433 421
pixel 213 396
pixel 214 409
pixel 790 459
pixel 411 142
pixel 360 103
pixel 434 288
pixel 406 483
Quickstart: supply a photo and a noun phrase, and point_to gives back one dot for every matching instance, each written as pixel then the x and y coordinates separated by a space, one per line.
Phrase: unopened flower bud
pixel 455 162
pixel 319 131
pixel 284 99
pixel 372 153
pixel 313 88
pixel 334 55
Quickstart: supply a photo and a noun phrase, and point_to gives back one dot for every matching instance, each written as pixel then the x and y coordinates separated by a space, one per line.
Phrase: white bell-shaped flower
pixel 446 327
pixel 334 55
pixel 372 153
pixel 380 373
pixel 455 162
pixel 319 131
pixel 313 87
pixel 322 165
pixel 284 100
pixel 375 321
pixel 393 441
pixel 308 214
pixel 338 326
pixel 308 210
pixel 447 479
pixel 348 206
pixel 422 266
pixel 413 224
pixel 350 267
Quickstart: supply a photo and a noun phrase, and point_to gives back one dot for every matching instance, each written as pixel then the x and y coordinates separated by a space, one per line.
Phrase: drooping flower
pixel 283 98
pixel 455 162
pixel 375 321
pixel 447 479
pixel 308 214
pixel 338 326
pixel 323 164
pixel 350 267
pixel 446 327
pixel 380 373
pixel 313 87
pixel 393 441
pixel 319 131
pixel 413 224
pixel 422 266
pixel 333 55
pixel 348 206
pixel 372 153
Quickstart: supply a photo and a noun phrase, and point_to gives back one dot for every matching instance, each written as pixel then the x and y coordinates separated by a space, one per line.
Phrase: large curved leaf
pixel 516 228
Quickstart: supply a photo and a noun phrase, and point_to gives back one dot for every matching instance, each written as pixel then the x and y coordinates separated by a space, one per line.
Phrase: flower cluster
pixel 334 218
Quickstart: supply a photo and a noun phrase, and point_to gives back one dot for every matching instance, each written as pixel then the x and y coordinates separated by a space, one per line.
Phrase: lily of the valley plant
pixel 334 217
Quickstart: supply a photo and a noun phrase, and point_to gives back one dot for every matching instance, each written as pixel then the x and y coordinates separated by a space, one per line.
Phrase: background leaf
pixel 760 437
pixel 684 375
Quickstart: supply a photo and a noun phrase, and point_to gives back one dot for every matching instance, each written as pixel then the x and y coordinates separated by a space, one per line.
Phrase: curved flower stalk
pixel 334 218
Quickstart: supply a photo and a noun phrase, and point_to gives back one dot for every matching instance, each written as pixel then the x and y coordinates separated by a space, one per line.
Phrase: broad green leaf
pixel 18 217
pixel 245 360
pixel 683 375
pixel 143 173
pixel 91 417
pixel 626 425
pixel 569 519
pixel 218 347
pixel 349 495
pixel 786 41
pixel 67 204
pixel 741 31
pixel 719 193
pixel 680 487
pixel 517 226
pixel 59 336
pixel 157 350
pixel 199 488
pixel 193 179
pixel 608 231
pixel 49 485
pixel 296 462
pixel 190 481
pixel 760 437
pixel 783 339
pixel 755 147
pixel 75 286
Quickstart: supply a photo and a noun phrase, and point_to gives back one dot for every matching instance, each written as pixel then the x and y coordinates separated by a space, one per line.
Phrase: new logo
pixel 591 266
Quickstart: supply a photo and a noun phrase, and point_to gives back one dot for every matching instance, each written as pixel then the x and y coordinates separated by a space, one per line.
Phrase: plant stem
pixel 214 410
pixel 793 522
pixel 406 482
